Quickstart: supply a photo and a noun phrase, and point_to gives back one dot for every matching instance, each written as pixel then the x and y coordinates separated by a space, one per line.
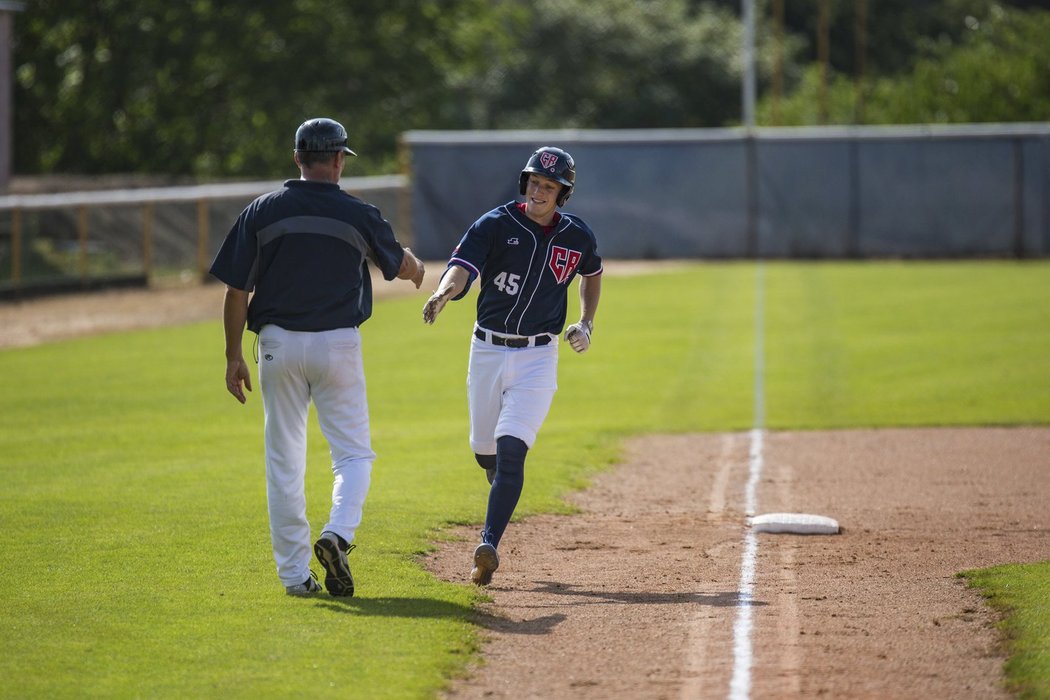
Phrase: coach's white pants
pixel 295 367
pixel 510 391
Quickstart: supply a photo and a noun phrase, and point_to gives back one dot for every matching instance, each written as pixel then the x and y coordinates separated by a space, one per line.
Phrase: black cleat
pixel 337 577
pixel 486 561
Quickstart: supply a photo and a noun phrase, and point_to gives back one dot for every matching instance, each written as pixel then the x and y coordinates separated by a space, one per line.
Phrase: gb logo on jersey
pixel 563 262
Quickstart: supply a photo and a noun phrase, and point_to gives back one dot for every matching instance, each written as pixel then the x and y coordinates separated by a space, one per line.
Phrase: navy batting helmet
pixel 321 135
pixel 553 163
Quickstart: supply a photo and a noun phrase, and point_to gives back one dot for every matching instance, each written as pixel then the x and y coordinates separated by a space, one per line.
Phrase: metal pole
pixel 778 58
pixel 750 169
pixel 7 21
pixel 860 29
pixel 823 56
pixel 749 64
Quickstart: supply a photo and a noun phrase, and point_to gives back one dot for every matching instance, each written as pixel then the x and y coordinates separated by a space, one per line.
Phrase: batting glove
pixel 435 304
pixel 578 335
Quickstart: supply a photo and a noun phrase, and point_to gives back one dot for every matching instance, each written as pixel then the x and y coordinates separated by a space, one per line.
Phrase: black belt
pixel 534 341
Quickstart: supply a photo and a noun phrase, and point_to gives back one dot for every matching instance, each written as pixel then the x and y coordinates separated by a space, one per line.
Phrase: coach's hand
pixel 237 373
pixel 578 335
pixel 412 268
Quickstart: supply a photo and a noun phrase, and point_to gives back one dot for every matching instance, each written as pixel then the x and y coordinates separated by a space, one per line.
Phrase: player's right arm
pixel 452 283
pixel 578 334
pixel 234 317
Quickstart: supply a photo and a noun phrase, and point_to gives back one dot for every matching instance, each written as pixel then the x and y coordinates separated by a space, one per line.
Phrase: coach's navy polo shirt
pixel 303 249
pixel 524 270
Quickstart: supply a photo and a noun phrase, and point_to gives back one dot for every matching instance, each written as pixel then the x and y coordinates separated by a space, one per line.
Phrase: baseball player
pixel 303 251
pixel 525 256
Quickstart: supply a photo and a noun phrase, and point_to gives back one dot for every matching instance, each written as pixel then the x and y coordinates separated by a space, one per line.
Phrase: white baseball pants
pixel 295 368
pixel 509 391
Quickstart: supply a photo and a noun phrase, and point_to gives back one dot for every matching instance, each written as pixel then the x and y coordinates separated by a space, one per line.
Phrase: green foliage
pixel 214 90
pixel 998 72
pixel 1022 594
pixel 217 89
pixel 616 64
pixel 993 67
pixel 895 32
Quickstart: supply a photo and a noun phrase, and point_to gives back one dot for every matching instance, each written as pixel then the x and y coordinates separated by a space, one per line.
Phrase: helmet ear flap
pixel 523 182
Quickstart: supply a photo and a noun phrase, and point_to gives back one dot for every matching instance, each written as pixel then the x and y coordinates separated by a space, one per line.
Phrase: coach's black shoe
pixel 337 577
pixel 486 561
pixel 307 587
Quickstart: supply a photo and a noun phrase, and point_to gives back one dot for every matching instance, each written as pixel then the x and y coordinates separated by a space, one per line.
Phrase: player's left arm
pixel 578 335
pixel 451 285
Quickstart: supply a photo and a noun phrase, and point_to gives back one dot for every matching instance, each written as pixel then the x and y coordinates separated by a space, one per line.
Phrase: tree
pixel 216 89
pixel 615 64
pixel 997 71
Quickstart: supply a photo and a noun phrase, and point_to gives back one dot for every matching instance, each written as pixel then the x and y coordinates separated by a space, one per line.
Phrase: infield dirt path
pixel 637 596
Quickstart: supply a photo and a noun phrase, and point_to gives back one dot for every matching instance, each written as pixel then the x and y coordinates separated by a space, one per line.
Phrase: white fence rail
pixel 77 240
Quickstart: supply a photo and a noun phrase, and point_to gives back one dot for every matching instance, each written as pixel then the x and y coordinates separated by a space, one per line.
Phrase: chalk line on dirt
pixel 740 685
pixel 700 630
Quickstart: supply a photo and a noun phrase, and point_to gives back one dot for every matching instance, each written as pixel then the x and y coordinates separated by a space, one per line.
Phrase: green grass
pixel 905 344
pixel 137 558
pixel 1022 594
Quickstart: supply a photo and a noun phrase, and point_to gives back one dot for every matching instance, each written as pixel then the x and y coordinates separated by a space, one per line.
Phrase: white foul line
pixel 740 685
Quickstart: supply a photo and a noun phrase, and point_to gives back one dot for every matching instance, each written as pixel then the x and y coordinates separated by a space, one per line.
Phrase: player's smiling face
pixel 541 198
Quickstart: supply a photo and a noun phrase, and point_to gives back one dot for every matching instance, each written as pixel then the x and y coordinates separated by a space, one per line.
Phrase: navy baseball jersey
pixel 296 246
pixel 525 269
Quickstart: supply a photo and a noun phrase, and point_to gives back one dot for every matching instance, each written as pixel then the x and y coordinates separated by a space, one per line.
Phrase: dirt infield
pixel 637 596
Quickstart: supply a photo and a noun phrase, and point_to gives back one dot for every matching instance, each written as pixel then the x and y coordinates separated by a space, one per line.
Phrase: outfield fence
pixel 73 241
pixel 838 192
pixel 831 192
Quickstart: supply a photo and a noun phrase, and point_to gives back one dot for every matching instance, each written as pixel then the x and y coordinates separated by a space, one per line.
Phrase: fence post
pixel 752 242
pixel 853 233
pixel 1043 153
pixel 16 248
pixel 82 238
pixel 1019 247
pixel 202 239
pixel 147 240
pixel 404 194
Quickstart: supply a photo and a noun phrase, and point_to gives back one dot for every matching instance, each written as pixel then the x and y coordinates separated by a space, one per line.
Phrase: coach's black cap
pixel 321 135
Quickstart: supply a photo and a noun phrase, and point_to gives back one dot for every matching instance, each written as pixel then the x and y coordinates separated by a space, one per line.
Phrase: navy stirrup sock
pixel 506 488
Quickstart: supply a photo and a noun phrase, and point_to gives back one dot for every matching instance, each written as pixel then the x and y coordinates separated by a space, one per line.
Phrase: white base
pixel 795 523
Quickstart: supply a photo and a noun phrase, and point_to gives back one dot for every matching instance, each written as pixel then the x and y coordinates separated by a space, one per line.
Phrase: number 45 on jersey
pixel 562 263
